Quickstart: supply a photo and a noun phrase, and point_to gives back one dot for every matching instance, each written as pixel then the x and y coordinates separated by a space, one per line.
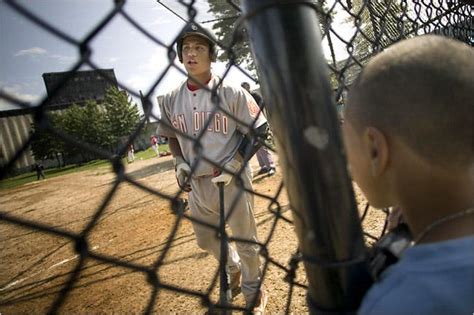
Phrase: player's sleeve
pixel 247 111
pixel 257 99
pixel 165 127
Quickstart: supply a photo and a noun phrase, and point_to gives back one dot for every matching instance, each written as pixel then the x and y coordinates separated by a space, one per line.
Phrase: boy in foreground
pixel 409 135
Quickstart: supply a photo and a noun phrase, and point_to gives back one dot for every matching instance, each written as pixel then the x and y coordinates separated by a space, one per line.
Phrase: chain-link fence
pixel 352 32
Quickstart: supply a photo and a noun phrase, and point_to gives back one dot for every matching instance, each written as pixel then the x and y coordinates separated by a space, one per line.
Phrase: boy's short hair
pixel 422 91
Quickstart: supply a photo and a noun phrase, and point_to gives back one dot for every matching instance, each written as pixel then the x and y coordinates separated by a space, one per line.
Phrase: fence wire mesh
pixel 353 31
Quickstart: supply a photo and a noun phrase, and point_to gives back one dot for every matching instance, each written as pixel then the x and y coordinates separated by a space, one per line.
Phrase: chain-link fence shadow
pixel 352 32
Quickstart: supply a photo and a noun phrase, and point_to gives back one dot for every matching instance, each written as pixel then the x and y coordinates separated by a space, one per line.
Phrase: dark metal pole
pixel 286 44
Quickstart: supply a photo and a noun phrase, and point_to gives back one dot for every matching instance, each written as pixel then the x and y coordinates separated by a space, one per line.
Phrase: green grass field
pixel 53 172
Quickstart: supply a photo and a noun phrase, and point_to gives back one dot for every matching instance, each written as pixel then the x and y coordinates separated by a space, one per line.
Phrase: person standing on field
pixel 186 111
pixel 130 153
pixel 155 145
pixel 264 156
pixel 39 170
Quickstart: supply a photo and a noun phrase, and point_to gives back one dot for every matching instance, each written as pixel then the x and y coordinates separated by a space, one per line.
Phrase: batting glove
pixel 230 168
pixel 182 173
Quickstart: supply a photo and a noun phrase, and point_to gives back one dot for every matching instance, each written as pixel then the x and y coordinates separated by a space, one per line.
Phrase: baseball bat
pixel 225 292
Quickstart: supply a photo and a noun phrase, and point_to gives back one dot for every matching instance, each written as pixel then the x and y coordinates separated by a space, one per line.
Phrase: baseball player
pixel 189 109
pixel 264 157
pixel 130 153
pixel 154 144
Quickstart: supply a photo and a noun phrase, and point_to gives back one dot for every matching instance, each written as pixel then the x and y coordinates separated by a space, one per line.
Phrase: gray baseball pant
pixel 204 205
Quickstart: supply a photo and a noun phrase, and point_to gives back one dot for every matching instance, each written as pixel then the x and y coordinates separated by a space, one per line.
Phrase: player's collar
pixel 193 87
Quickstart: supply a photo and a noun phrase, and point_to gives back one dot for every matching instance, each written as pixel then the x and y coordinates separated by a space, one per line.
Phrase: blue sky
pixel 27 51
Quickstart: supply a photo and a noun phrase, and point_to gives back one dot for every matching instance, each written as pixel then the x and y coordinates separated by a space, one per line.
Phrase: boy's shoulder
pixel 428 278
pixel 226 87
pixel 169 97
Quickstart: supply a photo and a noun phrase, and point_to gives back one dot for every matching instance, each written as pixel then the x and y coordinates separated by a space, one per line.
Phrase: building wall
pixel 14 132
pixel 78 87
pixel 15 125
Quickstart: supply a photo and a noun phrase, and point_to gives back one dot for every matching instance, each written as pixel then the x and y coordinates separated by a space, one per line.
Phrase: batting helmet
pixel 194 29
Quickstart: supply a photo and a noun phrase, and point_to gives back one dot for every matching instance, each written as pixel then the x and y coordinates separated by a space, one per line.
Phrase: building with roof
pixel 63 90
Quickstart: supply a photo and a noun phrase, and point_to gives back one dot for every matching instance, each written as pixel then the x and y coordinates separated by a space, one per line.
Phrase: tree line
pixel 105 125
pixel 380 23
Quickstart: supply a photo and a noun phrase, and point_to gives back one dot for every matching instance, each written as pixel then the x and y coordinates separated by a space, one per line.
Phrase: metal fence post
pixel 286 44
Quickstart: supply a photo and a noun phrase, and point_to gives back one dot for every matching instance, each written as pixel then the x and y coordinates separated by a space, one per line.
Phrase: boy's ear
pixel 377 148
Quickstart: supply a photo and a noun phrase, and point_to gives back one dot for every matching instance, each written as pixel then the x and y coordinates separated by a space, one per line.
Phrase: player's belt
pixel 202 176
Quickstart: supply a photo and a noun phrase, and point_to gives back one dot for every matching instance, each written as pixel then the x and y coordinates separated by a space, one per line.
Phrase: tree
pixel 101 126
pixel 74 125
pixel 381 23
pixel 94 125
pixel 378 24
pixel 86 124
pixel 224 28
pixel 45 144
pixel 42 142
pixel 237 39
pixel 121 116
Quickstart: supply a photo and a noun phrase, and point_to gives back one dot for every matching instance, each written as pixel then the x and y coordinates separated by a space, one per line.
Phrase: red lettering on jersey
pixel 225 125
pixel 182 123
pixel 203 119
pixel 217 122
pixel 196 122
pixel 253 108
pixel 208 118
pixel 175 124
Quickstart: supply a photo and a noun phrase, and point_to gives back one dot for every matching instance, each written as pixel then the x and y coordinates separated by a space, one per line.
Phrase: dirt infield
pixel 134 227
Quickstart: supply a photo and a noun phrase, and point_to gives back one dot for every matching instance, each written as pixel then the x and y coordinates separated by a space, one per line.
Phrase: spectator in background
pixel 264 156
pixel 38 167
pixel 130 153
pixel 163 140
pixel 155 144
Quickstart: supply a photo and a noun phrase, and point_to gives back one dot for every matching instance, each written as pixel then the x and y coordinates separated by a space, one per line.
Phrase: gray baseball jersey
pixel 188 111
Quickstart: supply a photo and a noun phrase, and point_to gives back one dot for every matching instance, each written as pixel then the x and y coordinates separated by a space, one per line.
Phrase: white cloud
pixel 202 8
pixel 137 82
pixel 181 9
pixel 62 59
pixel 38 51
pixel 15 91
pixel 157 60
pixel 159 22
pixel 235 76
pixel 345 29
pixel 113 59
pixel 34 51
